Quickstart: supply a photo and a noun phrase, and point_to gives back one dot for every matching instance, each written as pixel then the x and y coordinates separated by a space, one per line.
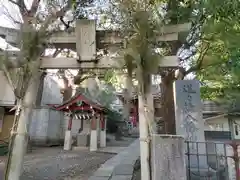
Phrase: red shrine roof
pixel 71 104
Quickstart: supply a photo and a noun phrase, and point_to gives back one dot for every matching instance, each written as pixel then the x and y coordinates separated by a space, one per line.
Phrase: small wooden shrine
pixel 92 117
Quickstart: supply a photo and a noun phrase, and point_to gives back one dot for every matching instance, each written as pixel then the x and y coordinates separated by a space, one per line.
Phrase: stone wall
pixel 6 93
pixel 51 92
pixel 45 127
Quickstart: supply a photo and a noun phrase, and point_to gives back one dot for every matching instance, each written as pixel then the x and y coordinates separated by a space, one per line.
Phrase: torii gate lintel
pixel 84 37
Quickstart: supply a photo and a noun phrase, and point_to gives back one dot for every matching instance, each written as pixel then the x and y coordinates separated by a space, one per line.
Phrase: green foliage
pixel 110 77
pixel 106 96
pixel 220 71
pixel 103 94
pixel 213 44
pixel 113 115
pixel 113 118
pixel 139 31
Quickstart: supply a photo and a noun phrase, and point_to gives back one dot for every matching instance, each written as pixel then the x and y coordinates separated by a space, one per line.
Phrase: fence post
pixel 235 157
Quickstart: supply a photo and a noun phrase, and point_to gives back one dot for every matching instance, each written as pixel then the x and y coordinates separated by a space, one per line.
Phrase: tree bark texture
pixel 67 90
pixel 167 100
pixel 168 112
pixel 144 138
pixel 20 136
pixel 127 98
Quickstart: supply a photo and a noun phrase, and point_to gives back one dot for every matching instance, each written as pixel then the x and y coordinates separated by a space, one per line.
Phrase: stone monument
pixel 189 120
pixel 168 162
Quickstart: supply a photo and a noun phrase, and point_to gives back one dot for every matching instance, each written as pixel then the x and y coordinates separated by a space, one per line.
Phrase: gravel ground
pixel 55 164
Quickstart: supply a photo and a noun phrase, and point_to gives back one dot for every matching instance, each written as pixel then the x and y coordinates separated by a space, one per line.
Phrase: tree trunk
pixel 145 148
pixel 151 117
pixel 19 139
pixel 168 112
pixel 67 89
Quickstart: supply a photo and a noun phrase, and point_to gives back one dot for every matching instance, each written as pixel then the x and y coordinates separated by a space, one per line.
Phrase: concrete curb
pixel 121 166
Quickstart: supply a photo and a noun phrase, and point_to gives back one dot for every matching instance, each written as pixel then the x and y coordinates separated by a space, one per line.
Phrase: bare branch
pixel 57 51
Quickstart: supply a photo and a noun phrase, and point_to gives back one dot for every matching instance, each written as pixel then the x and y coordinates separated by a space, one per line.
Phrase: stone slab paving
pixel 125 142
pixel 112 149
pixel 121 166
pixel 55 164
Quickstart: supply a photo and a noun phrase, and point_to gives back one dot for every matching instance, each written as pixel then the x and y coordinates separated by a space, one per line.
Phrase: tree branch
pixel 57 51
pixel 199 63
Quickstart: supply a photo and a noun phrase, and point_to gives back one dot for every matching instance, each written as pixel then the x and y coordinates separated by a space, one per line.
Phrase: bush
pixel 113 118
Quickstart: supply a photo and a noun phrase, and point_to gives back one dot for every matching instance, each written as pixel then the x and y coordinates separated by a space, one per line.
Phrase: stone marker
pixel 168 158
pixel 189 119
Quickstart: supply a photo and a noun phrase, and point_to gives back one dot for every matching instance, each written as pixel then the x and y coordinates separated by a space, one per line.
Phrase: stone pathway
pixel 121 166
pixel 112 150
pixel 116 147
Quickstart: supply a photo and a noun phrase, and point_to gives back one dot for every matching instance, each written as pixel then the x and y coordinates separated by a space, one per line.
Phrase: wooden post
pixel 70 122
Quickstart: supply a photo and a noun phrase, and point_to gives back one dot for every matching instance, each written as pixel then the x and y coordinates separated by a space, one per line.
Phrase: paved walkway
pixel 121 166
pixel 116 147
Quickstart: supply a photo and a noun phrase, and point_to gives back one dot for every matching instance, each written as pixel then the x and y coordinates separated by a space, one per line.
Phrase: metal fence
pixel 212 160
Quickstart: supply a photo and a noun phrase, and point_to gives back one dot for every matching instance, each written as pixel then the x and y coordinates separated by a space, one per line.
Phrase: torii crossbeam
pixel 86 40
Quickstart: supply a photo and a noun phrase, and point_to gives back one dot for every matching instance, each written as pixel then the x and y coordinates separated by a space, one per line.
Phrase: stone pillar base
pixel 93 140
pixel 103 138
pixel 68 140
pixel 168 157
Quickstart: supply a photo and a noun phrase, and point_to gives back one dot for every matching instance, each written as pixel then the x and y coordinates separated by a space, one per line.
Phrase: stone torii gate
pixel 85 40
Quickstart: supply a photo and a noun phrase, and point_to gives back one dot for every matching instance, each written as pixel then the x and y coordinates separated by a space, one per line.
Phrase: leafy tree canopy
pixel 220 65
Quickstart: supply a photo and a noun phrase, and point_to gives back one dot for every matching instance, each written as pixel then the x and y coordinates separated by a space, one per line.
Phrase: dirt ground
pixel 54 163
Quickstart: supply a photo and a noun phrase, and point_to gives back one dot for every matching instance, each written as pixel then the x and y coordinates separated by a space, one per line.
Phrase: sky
pixel 10 11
